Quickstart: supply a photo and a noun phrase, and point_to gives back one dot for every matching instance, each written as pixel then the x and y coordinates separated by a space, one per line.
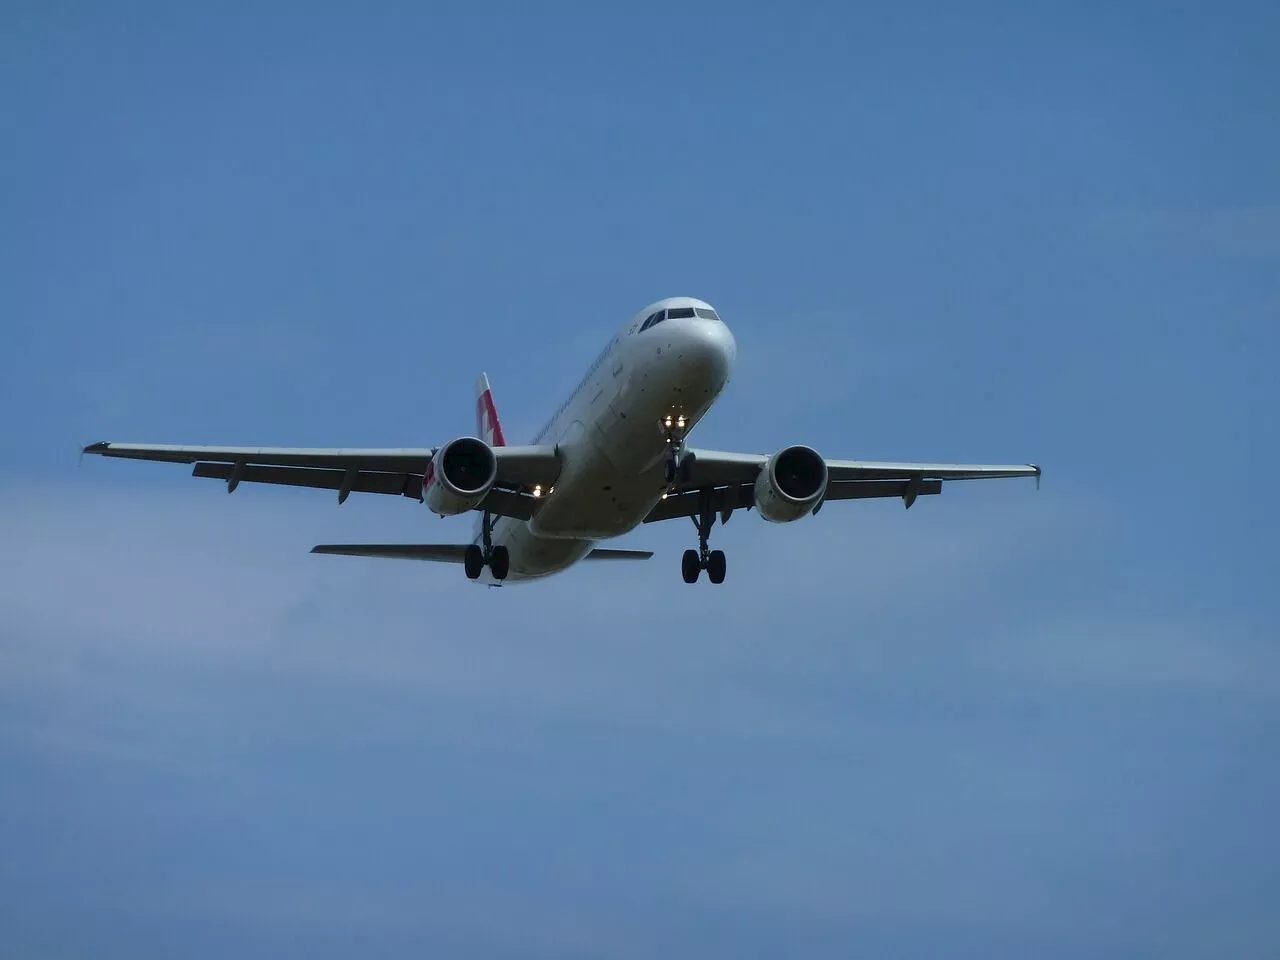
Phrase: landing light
pixel 667 422
pixel 537 490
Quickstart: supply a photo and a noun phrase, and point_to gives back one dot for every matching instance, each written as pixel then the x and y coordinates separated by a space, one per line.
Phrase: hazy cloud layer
pixel 832 756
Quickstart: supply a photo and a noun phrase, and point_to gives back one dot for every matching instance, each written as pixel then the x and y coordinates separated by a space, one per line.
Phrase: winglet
pixel 1036 466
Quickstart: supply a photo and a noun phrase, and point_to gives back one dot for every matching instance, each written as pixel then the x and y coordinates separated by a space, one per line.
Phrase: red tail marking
pixel 487 416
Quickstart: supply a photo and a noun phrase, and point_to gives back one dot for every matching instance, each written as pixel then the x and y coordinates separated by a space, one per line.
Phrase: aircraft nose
pixel 710 348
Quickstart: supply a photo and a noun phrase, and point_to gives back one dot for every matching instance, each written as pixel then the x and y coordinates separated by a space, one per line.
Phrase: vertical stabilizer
pixel 488 427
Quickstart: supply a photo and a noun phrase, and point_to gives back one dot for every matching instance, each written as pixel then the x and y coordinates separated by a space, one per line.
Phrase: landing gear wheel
pixel 473 561
pixel 500 563
pixel 690 566
pixel 716 566
pixel 704 558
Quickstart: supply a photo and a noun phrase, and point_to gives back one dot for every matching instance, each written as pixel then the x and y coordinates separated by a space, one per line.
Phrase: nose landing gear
pixel 477 556
pixel 693 562
pixel 679 461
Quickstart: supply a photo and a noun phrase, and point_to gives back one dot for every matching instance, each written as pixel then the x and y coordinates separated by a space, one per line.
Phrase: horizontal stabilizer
pixel 603 554
pixel 445 552
pixel 439 552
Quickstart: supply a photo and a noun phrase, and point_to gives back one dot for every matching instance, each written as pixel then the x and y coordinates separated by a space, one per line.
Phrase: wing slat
pixel 501 503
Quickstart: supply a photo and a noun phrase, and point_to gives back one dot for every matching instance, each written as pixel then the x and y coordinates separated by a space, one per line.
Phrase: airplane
pixel 614 455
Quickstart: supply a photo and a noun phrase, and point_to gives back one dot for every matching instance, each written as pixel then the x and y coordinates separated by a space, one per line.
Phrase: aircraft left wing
pixel 730 479
pixel 715 467
pixel 397 471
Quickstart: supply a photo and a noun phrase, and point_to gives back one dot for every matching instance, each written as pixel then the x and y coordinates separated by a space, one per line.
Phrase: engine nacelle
pixel 791 484
pixel 459 476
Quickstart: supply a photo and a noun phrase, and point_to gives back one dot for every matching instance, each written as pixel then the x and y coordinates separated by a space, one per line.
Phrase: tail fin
pixel 488 427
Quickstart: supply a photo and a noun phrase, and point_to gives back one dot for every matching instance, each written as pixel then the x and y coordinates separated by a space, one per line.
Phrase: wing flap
pixel 742 496
pixel 879 470
pixel 365 481
pixel 508 503
pixel 501 503
pixel 392 471
pixel 714 468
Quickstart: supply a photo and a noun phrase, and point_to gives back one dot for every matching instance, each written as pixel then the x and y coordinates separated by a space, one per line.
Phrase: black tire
pixel 500 563
pixel 473 561
pixel 690 566
pixel 716 566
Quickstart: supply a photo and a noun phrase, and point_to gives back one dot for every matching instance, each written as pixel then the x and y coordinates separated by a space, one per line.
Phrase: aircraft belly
pixel 533 557
pixel 597 501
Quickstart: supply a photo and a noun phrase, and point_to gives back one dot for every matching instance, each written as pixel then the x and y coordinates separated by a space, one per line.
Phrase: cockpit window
pixel 680 313
pixel 651 320
pixel 705 314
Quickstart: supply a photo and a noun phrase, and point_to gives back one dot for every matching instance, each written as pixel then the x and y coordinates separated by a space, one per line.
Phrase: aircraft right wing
pixel 396 471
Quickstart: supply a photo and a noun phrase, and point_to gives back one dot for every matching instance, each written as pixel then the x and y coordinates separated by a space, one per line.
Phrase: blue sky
pixel 1006 723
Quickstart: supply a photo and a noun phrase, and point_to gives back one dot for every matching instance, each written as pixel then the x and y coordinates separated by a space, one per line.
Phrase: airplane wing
pixel 396 471
pixel 445 552
pixel 731 479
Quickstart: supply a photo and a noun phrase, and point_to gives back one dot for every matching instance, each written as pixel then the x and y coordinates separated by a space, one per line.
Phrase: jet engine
pixel 459 476
pixel 790 484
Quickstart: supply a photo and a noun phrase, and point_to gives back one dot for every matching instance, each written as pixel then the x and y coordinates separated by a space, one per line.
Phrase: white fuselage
pixel 611 437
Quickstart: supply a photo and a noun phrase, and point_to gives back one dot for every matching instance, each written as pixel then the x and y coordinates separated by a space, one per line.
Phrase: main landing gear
pixel 477 557
pixel 695 561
